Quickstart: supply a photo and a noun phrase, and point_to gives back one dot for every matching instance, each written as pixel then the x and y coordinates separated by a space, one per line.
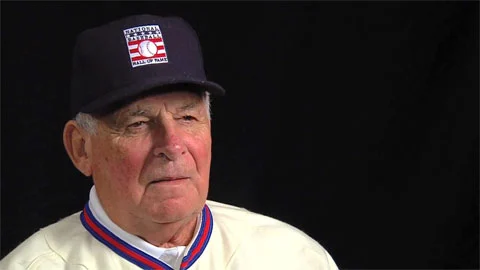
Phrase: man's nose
pixel 168 142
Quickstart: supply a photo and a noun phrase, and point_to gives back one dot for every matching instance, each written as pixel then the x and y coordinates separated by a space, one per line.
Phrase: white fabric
pixel 171 256
pixel 239 240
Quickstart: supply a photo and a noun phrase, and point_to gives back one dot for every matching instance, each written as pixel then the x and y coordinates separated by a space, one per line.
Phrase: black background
pixel 354 121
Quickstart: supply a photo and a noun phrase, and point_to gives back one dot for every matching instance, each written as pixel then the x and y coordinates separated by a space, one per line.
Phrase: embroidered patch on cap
pixel 145 45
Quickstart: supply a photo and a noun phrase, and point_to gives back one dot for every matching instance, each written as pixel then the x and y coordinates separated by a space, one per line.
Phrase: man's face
pixel 151 159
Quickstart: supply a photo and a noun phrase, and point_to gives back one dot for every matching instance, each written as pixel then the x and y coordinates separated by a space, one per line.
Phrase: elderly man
pixel 141 129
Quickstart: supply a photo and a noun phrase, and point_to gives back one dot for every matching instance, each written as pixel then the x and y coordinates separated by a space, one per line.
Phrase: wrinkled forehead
pixel 175 102
pixel 175 96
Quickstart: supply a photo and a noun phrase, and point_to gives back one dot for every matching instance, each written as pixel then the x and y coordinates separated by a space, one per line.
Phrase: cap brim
pixel 129 92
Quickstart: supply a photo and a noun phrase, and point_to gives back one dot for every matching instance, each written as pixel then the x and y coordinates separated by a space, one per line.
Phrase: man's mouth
pixel 169 179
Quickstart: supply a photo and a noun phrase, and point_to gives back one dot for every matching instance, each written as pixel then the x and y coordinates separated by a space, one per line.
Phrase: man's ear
pixel 77 144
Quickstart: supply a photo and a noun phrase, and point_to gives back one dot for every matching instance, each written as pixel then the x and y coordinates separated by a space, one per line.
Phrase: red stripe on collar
pixel 140 258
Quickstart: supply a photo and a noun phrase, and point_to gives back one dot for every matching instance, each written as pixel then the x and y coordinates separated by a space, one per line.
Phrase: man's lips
pixel 169 179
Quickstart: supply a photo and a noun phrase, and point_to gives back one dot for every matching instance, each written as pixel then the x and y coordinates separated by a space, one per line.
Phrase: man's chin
pixel 166 215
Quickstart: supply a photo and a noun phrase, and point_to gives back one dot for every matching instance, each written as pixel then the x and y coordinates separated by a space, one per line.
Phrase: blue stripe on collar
pixel 201 241
pixel 140 258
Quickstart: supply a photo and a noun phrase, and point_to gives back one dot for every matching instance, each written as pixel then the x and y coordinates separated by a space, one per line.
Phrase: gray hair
pixel 88 122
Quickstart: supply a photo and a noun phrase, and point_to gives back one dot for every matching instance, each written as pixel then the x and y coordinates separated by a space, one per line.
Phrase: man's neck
pixel 165 235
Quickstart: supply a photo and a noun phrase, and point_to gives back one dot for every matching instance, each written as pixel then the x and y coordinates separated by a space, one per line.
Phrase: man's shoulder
pixel 266 240
pixel 44 247
pixel 232 215
pixel 257 225
pixel 241 214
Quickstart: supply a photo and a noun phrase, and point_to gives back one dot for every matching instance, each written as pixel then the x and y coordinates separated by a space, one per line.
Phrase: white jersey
pixel 227 238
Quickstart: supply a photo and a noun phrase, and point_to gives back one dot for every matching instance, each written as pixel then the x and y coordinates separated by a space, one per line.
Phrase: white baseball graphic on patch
pixel 147 48
pixel 145 45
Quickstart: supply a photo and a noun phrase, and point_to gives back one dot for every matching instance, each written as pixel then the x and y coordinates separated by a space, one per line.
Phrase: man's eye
pixel 188 118
pixel 137 124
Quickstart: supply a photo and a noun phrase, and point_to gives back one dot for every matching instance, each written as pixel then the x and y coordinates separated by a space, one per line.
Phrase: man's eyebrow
pixel 188 106
pixel 132 112
pixel 119 117
pixel 137 112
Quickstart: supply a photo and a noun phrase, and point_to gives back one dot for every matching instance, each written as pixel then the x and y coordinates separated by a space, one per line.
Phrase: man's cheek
pixel 202 157
pixel 129 164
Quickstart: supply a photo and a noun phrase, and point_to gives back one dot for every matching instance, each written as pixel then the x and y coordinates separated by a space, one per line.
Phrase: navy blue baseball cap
pixel 122 59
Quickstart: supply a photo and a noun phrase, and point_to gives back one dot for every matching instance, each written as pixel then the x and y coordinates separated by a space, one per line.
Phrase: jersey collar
pixel 139 257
